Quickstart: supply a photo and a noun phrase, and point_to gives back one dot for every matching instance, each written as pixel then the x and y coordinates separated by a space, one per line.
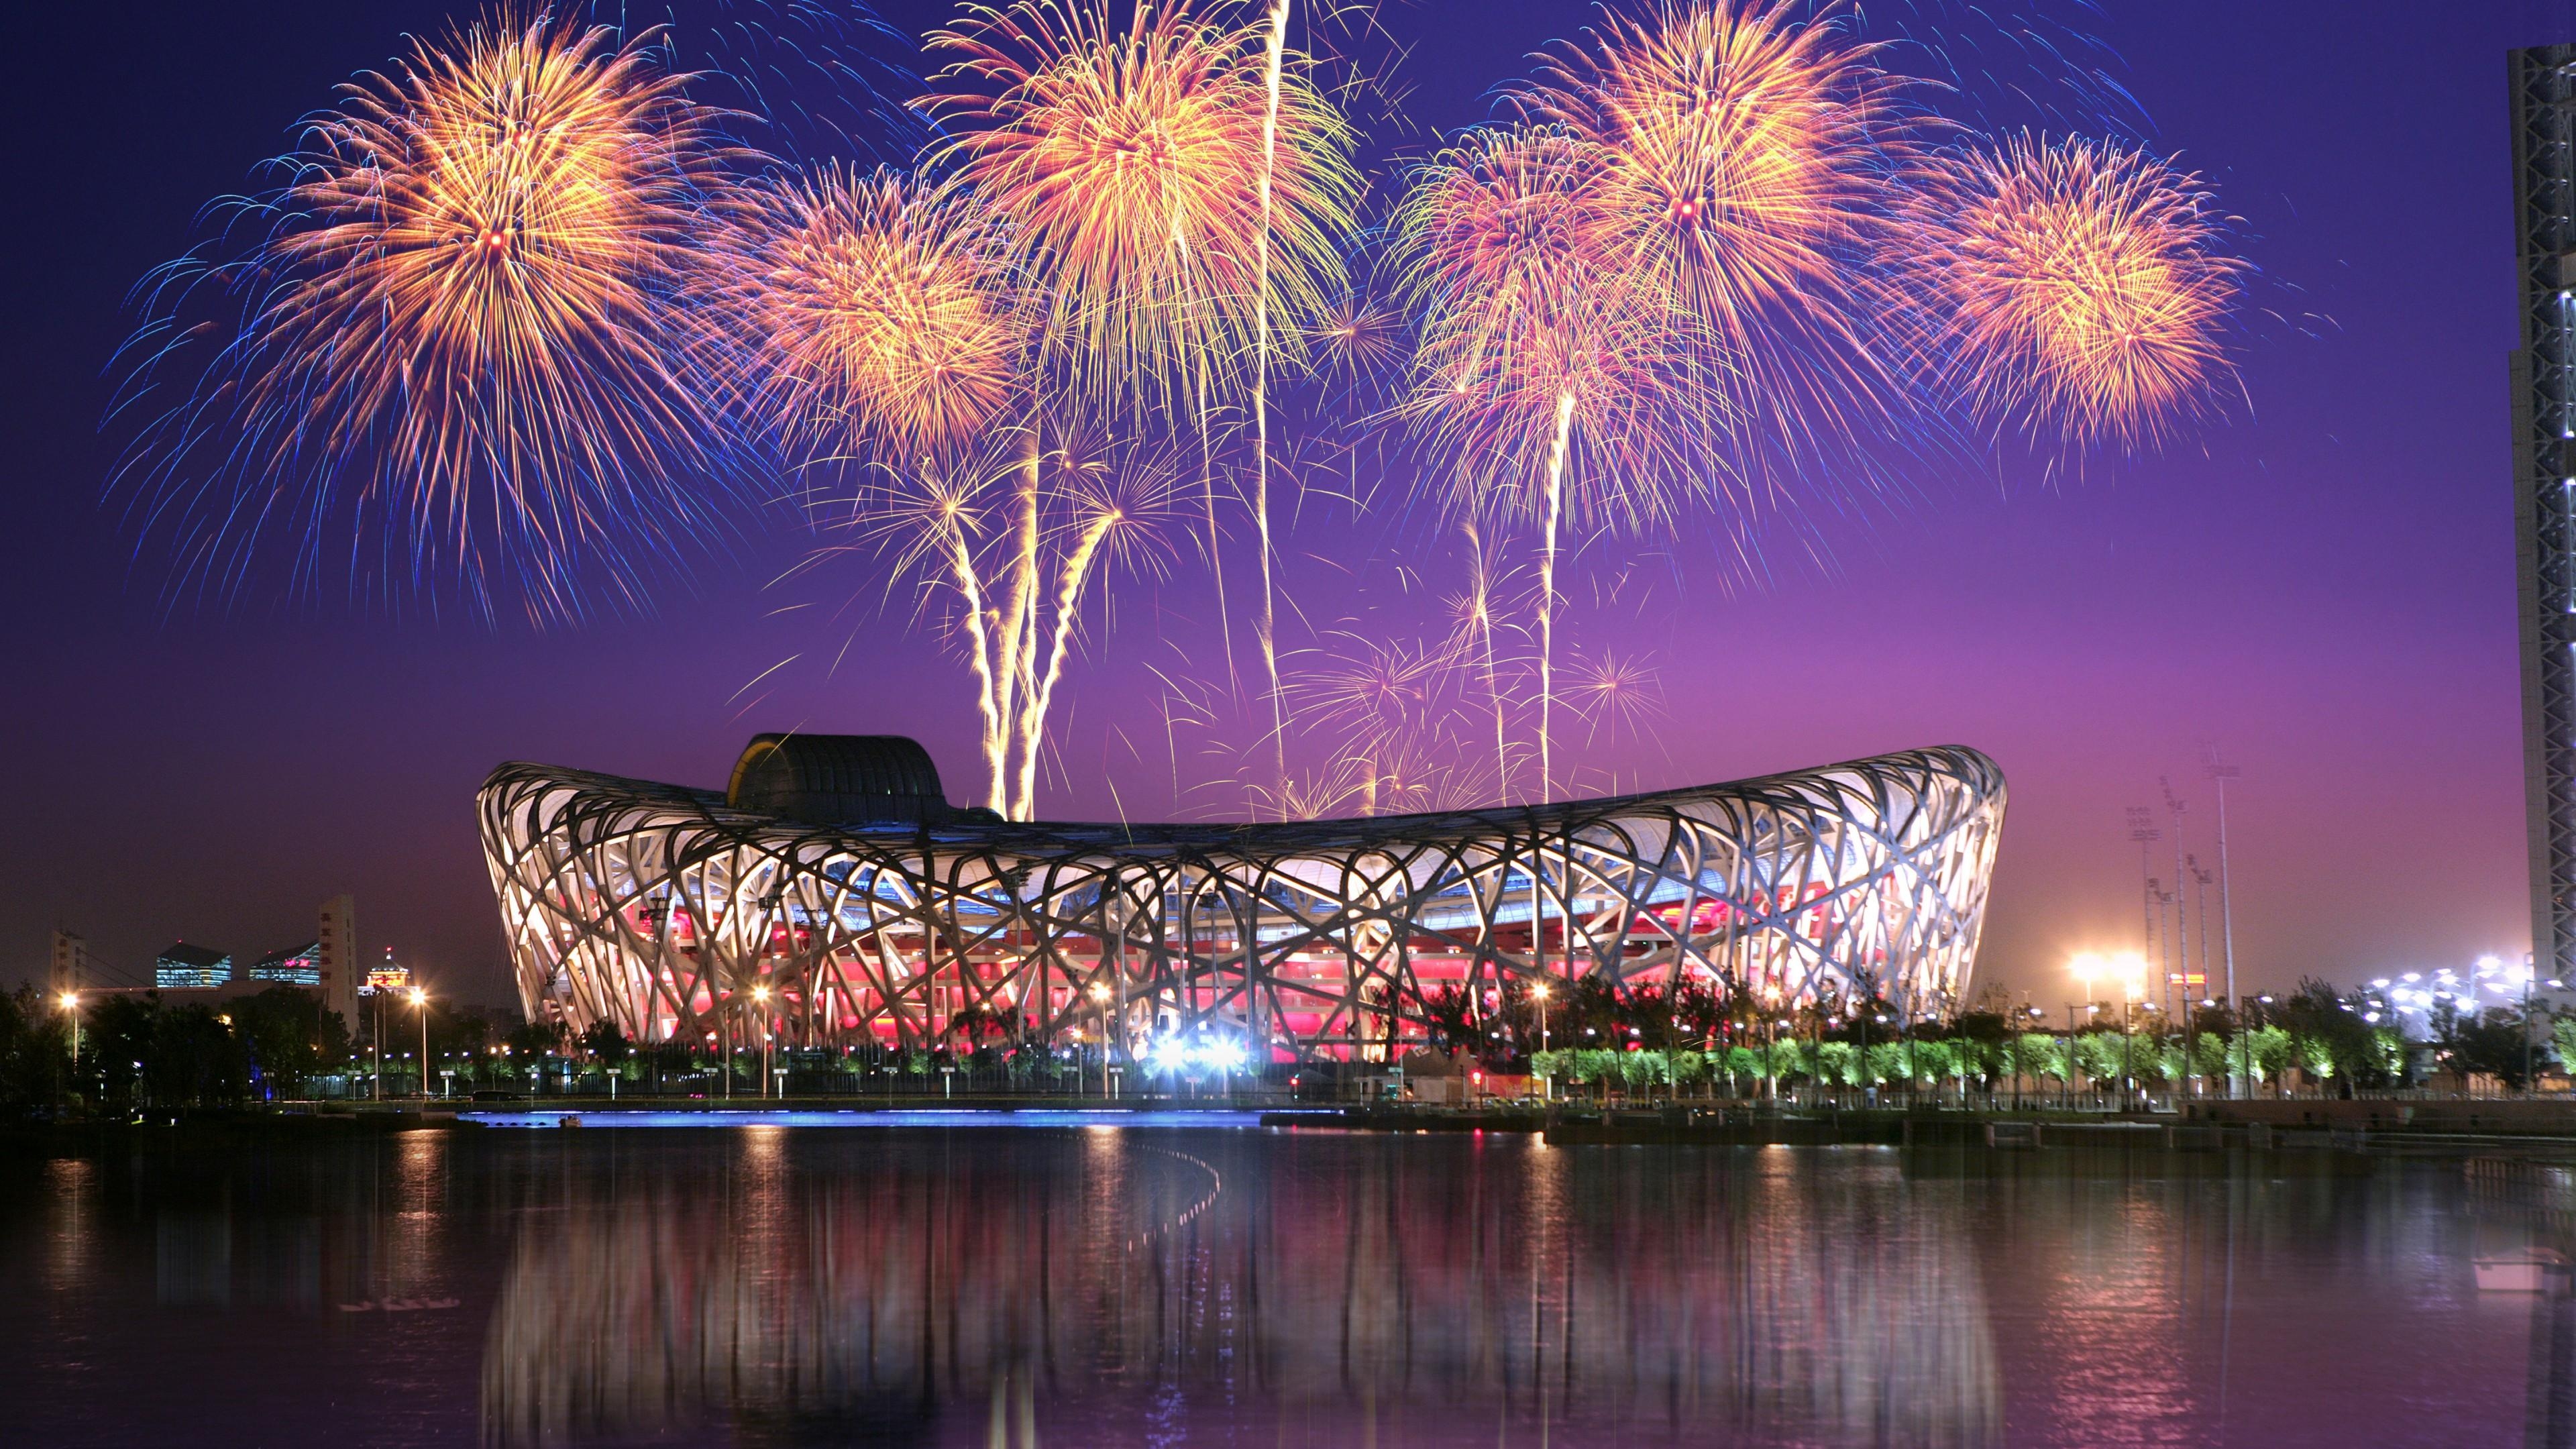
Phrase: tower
pixel 2544 484
pixel 343 970
pixel 69 965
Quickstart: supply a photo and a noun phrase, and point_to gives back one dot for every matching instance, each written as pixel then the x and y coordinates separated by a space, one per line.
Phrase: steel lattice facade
pixel 2544 461
pixel 661 908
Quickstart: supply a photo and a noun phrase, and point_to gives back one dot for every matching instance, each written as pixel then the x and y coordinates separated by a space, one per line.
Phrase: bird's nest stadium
pixel 832 884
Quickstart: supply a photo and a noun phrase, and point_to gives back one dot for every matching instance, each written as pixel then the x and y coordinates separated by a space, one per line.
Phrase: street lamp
pixel 1546 1081
pixel 2085 967
pixel 420 1008
pixel 2133 985
pixel 70 1001
pixel 760 994
pixel 1100 1006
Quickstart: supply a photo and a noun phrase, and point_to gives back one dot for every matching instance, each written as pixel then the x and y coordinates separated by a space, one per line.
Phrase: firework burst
pixel 1532 344
pixel 1134 161
pixel 1745 153
pixel 878 317
pixel 459 327
pixel 2076 285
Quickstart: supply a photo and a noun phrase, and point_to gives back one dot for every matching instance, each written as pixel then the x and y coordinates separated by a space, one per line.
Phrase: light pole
pixel 1546 1081
pixel 420 1008
pixel 1100 1008
pixel 760 994
pixel 2220 774
pixel 2133 989
pixel 71 1008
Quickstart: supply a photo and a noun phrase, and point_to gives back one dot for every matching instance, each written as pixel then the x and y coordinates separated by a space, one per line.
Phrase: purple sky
pixel 2325 587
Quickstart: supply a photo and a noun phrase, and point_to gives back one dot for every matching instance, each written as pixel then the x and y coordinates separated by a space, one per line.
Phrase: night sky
pixel 2322 584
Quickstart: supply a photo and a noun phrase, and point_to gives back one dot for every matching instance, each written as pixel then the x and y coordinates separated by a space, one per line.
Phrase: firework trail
pixel 2077 286
pixel 885 321
pixel 1275 49
pixel 880 320
pixel 1472 635
pixel 1065 520
pixel 458 327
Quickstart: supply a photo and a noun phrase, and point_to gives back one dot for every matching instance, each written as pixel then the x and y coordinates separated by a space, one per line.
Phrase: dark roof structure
pixel 838 780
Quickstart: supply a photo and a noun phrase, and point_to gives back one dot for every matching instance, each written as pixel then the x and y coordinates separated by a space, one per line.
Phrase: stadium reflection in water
pixel 1009 1288
pixel 1061 1290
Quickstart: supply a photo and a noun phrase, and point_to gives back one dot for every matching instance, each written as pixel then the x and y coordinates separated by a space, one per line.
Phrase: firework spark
pixel 879 317
pixel 459 327
pixel 1358 338
pixel 2075 285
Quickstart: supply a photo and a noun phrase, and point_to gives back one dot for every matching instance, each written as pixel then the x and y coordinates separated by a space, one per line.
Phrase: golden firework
pixel 880 317
pixel 1554 385
pixel 1530 344
pixel 465 318
pixel 1745 153
pixel 2077 285
pixel 1131 161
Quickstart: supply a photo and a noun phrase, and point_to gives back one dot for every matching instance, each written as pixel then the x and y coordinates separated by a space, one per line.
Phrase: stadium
pixel 831 895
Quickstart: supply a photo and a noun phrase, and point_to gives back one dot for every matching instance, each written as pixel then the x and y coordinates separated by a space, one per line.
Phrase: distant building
pixel 69 966
pixel 337 956
pixel 182 967
pixel 300 966
pixel 386 976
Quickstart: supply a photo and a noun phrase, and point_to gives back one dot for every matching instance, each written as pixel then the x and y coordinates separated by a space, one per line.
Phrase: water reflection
pixel 1332 1287
pixel 1008 1289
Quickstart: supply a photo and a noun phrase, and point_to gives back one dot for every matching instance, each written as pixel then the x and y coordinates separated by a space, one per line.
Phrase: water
pixel 1077 1286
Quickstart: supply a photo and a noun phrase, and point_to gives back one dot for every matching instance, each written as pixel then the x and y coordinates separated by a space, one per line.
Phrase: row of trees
pixel 145 1051
pixel 1590 1032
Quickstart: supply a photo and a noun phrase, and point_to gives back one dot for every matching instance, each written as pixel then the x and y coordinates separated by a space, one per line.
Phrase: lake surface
pixel 1075 1286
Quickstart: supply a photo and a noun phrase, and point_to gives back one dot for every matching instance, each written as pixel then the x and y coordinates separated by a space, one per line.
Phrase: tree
pixel 605 1043
pixel 1838 1064
pixel 1699 1010
pixel 289 1038
pixel 2494 1043
pixel 194 1060
pixel 2099 1055
pixel 1453 1020
pixel 35 1060
pixel 118 1042
pixel 2328 1035
pixel 2043 1055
